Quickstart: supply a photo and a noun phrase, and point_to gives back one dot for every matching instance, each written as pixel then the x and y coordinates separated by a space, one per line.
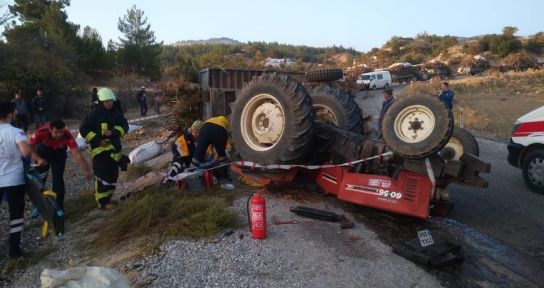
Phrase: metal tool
pixel 285 222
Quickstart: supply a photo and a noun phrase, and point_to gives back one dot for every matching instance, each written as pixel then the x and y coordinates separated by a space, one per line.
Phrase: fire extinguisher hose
pixel 247 209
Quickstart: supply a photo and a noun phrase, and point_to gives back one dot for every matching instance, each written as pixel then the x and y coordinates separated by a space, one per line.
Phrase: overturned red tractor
pixel 281 130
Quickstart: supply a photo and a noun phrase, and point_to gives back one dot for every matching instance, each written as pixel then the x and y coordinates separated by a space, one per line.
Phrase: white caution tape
pixel 75 131
pixel 147 118
pixel 184 175
pixel 309 167
pixel 103 182
pixel 187 175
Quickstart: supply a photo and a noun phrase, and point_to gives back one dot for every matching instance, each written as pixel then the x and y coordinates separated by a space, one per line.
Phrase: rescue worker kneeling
pixel 183 149
pixel 103 129
pixel 214 132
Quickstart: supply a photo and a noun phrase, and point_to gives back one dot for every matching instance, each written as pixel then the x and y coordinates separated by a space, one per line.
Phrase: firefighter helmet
pixel 105 94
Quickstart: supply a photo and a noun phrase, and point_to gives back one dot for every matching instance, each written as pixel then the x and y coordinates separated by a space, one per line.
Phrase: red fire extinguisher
pixel 256 213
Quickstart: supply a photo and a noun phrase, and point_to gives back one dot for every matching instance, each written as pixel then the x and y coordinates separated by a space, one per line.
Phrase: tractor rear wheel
pixel 417 126
pixel 324 75
pixel 460 142
pixel 274 120
pixel 337 108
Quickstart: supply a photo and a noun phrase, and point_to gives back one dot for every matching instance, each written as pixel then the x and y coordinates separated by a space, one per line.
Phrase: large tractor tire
pixel 273 120
pixel 324 75
pixel 461 142
pixel 417 126
pixel 336 108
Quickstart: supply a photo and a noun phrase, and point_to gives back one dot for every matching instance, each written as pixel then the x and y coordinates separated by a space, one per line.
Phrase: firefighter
pixel 214 132
pixel 51 141
pixel 183 149
pixel 103 128
pixel 14 146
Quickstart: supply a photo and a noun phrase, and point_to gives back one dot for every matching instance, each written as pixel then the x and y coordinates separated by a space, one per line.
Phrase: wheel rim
pixel 414 124
pixel 536 172
pixel 325 114
pixel 457 147
pixel 262 122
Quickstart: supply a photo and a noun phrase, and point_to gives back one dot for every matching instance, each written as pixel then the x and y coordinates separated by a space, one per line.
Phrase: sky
pixel 361 24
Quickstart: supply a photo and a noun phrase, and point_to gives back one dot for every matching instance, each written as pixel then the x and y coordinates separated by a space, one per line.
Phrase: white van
pixel 526 148
pixel 374 80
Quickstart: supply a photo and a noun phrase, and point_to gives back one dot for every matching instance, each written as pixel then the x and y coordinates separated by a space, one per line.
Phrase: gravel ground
pixel 309 254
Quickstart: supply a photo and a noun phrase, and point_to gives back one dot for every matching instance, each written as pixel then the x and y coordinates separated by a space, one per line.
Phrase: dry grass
pixel 163 214
pixel 492 103
pixel 134 172
pixel 79 206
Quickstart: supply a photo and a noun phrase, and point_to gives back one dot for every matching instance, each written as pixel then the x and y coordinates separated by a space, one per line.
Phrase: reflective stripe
pixel 16 229
pixel 101 149
pixel 50 194
pixel 120 129
pixel 221 121
pixel 182 147
pixel 45 229
pixel 104 127
pixel 17 221
pixel 101 195
pixel 90 136
pixel 116 156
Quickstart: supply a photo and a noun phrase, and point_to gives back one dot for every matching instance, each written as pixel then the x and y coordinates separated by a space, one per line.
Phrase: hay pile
pixel 436 68
pixel 473 65
pixel 401 68
pixel 520 61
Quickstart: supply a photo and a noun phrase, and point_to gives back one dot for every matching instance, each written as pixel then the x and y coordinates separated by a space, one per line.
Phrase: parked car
pixel 526 148
pixel 374 80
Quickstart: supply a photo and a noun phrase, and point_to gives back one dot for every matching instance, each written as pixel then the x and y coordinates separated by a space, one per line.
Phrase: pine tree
pixel 139 50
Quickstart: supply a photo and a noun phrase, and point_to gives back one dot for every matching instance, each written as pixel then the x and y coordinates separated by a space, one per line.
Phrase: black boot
pixel 14 245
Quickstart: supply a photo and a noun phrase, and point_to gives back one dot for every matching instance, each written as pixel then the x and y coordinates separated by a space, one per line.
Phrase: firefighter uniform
pixel 106 156
pixel 183 150
pixel 214 132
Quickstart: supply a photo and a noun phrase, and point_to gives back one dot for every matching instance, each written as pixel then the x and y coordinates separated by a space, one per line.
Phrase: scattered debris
pixel 128 189
pixel 324 215
pixel 285 222
pixel 144 152
pixel 435 253
pixel 133 128
pixel 80 277
pixel 317 214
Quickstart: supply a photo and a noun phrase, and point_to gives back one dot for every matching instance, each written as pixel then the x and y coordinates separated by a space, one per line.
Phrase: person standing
pixel 13 147
pixel 389 99
pixel 39 108
pixel 94 97
pixel 51 142
pixel 446 95
pixel 141 96
pixel 157 102
pixel 103 129
pixel 21 118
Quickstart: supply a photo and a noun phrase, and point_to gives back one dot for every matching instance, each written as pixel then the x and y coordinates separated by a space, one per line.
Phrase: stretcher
pixel 46 203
